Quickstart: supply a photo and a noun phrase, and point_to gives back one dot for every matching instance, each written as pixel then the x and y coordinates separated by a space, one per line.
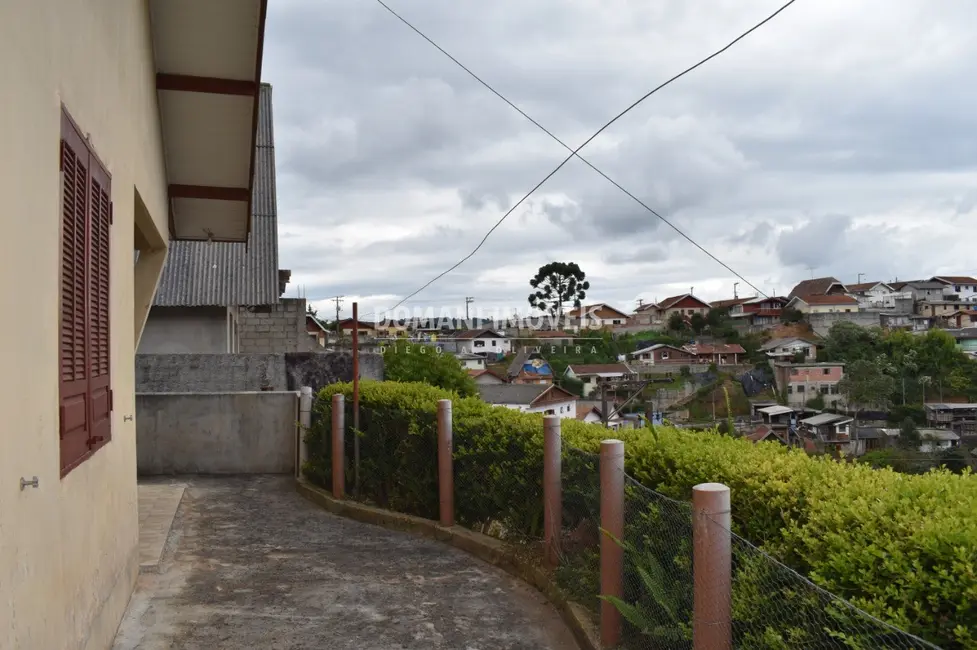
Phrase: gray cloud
pixel 826 139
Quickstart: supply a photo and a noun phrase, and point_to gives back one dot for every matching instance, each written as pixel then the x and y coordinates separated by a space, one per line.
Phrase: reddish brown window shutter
pixel 85 395
pixel 74 416
pixel 99 385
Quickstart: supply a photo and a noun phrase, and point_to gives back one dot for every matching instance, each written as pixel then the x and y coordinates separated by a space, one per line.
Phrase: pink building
pixel 805 381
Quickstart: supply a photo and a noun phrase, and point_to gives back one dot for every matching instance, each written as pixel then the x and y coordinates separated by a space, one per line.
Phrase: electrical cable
pixel 575 152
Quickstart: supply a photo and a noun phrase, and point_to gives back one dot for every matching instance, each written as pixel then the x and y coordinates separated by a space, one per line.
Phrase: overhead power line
pixel 575 152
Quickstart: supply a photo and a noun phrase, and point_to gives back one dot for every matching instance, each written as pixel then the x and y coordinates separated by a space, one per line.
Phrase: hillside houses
pixel 720 354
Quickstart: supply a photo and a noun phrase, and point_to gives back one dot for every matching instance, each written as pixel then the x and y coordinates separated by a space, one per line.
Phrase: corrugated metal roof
pixel 224 274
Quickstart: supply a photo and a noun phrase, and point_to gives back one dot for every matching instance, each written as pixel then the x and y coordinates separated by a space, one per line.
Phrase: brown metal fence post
pixel 711 565
pixel 446 477
pixel 611 552
pixel 552 489
pixel 338 445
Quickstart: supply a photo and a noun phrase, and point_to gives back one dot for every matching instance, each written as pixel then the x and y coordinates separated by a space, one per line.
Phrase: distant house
pixel 833 432
pixel 961 319
pixel 925 290
pixel 962 286
pixel 365 330
pixel 597 316
pixel 684 305
pixel 317 330
pixel 941 309
pixel 471 361
pixel 804 381
pixel 591 414
pixel 592 374
pixel 547 399
pixel 529 367
pixel 827 286
pixel 720 354
pixel 787 348
pixel 728 303
pixel 759 311
pixel 820 304
pixel 485 342
pixel 662 354
pixel 874 295
pixel 553 337
pixel 485 377
pixel 932 440
pixel 961 418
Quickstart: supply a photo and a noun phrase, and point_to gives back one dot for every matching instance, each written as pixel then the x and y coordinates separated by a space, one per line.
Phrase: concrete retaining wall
pixel 821 323
pixel 216 433
pixel 210 373
pixel 229 373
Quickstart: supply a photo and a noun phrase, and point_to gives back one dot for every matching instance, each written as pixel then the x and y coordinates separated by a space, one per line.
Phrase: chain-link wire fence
pixel 774 607
pixel 578 572
pixel 657 603
pixel 498 490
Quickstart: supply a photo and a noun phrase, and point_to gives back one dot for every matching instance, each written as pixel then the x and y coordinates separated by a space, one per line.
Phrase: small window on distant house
pixel 664 355
pixel 956 288
pixel 794 371
pixel 826 371
pixel 493 343
pixel 800 388
pixel 834 389
pixel 790 389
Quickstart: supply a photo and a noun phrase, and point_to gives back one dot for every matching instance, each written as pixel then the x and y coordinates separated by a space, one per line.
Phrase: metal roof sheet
pixel 221 274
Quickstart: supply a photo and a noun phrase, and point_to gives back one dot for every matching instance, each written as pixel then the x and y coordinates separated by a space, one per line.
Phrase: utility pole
pixel 468 300
pixel 339 305
pixel 735 284
pixel 604 415
pixel 860 278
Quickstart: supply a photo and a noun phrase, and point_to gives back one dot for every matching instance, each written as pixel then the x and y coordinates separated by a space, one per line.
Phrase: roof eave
pixel 208 62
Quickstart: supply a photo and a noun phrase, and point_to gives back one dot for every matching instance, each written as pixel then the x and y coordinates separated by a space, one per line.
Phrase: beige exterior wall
pixel 825 309
pixel 69 549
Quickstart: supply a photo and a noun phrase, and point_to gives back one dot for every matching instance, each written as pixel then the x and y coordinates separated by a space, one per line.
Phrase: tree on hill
pixel 675 322
pixel 866 384
pixel 557 284
pixel 909 435
pixel 425 364
pixel 697 322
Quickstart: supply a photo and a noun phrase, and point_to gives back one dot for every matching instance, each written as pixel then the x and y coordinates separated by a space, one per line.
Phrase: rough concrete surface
pixel 251 564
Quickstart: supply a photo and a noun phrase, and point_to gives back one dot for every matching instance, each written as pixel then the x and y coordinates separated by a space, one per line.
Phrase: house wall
pixel 275 328
pixel 486 344
pixel 210 373
pixel 216 433
pixel 566 409
pixel 187 330
pixel 966 292
pixel 69 551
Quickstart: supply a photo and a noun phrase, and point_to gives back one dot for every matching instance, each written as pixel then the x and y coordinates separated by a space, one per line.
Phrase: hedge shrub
pixel 903 548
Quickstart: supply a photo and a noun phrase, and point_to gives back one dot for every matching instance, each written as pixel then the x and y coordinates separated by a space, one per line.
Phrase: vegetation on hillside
pixel 421 363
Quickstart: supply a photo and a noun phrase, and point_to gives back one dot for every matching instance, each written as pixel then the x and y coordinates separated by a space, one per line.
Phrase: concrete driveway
pixel 251 564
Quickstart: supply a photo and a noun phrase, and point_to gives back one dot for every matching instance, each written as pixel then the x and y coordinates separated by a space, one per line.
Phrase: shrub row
pixel 904 548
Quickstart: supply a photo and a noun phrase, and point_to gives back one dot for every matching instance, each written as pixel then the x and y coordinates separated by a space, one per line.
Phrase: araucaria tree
pixel 557 284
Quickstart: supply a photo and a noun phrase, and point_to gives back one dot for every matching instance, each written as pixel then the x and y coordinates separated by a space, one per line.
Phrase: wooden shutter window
pixel 85 388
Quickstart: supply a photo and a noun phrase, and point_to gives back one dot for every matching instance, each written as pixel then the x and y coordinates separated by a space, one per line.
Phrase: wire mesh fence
pixel 775 607
pixel 658 594
pixel 499 491
pixel 578 571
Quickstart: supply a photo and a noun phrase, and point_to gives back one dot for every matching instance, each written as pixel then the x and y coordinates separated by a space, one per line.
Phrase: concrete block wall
pixel 274 328
pixel 210 373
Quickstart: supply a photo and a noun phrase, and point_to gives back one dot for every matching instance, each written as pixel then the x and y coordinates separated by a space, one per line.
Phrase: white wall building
pixel 593 373
pixel 546 399
pixel 483 342
pixel 962 286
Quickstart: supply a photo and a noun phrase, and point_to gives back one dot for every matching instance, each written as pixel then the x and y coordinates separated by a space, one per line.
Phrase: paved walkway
pixel 251 564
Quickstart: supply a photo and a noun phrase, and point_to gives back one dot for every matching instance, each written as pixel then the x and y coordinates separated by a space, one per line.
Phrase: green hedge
pixel 904 548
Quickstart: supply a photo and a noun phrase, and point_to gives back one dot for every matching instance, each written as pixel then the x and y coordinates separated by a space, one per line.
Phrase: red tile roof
pixel 668 302
pixel 474 334
pixel 730 302
pixel 599 310
pixel 814 286
pixel 956 279
pixel 552 334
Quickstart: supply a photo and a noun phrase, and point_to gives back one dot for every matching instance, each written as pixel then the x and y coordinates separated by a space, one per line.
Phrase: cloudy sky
pixel 840 138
